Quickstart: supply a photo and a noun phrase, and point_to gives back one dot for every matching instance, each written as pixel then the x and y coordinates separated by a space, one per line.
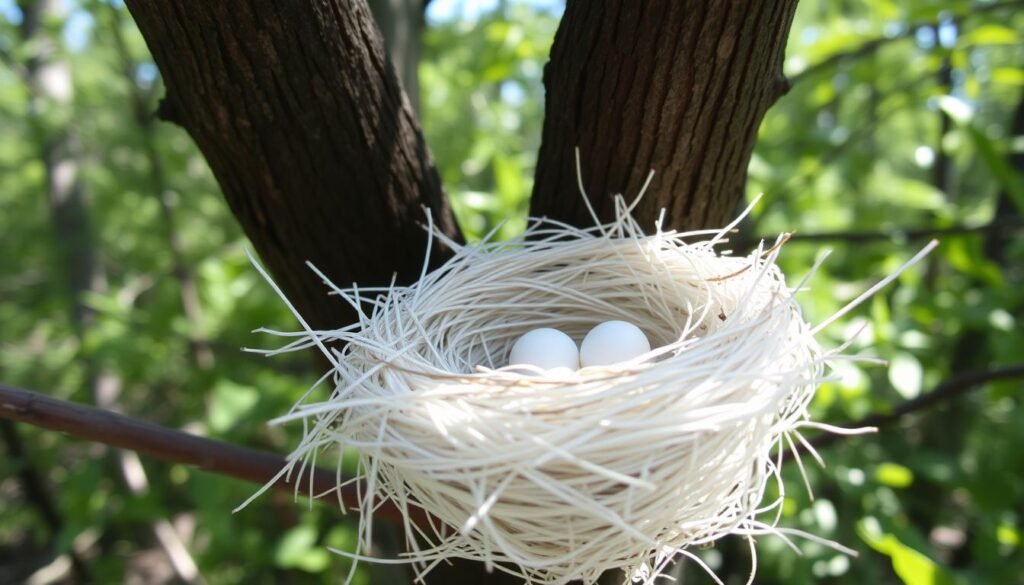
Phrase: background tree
pixel 855 151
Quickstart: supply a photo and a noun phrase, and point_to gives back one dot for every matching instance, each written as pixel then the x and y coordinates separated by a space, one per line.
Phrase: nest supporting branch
pixel 124 432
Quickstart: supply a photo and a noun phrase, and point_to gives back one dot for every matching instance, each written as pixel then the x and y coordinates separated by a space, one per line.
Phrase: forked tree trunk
pixel 677 86
pixel 305 127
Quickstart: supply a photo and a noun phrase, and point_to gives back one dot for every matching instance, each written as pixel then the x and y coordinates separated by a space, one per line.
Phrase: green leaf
pixel 1008 178
pixel 1008 75
pixel 297 549
pixel 992 34
pixel 509 179
pixel 1007 535
pixel 966 255
pixel 343 537
pixel 911 566
pixel 230 403
pixel 894 475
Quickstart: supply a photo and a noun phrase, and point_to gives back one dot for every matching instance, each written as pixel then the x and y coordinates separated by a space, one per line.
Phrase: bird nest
pixel 562 476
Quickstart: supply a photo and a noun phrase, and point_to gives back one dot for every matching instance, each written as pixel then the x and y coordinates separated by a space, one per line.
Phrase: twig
pixel 947 390
pixel 835 151
pixel 1005 224
pixel 38 493
pixel 199 347
pixel 121 431
pixel 873 45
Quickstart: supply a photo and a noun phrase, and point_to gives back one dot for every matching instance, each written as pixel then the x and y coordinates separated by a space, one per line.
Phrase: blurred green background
pixel 912 130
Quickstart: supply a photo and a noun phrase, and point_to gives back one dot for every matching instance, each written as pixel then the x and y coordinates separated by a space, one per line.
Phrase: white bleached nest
pixel 562 477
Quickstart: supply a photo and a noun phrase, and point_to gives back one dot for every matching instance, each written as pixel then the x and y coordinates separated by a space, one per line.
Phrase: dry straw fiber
pixel 562 477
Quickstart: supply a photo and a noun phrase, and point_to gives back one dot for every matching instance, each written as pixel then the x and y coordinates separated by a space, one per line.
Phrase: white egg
pixel 545 348
pixel 562 372
pixel 612 342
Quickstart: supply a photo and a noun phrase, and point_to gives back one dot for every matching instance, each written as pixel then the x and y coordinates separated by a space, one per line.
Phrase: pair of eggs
pixel 609 343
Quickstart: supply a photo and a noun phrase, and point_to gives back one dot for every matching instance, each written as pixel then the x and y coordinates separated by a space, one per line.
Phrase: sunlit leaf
pixel 229 404
pixel 1008 75
pixel 1009 178
pixel 894 475
pixel 297 549
pixel 906 375
pixel 1007 535
pixel 910 565
pixel 992 34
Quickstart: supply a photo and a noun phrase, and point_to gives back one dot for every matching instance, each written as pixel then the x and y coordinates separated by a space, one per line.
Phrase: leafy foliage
pixel 913 129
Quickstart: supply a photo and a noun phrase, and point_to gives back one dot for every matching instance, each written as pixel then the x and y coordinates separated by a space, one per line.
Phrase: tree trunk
pixel 677 86
pixel 304 124
pixel 188 289
pixel 49 81
pixel 996 242
pixel 942 168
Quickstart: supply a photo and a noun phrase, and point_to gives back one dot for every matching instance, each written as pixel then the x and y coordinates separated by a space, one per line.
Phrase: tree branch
pixel 124 432
pixel 998 225
pixel 948 390
pixel 116 430
pixel 873 45
pixel 834 151
pixel 37 492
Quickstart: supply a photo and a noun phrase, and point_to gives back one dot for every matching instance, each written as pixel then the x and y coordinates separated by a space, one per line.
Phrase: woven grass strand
pixel 562 477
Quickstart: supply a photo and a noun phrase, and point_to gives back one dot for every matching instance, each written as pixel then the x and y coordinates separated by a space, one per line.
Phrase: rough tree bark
pixel 677 86
pixel 303 122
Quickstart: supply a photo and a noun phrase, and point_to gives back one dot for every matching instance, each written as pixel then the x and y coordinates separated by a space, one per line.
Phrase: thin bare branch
pixel 948 390
pixel 121 431
pixel 116 430
pixel 37 493
pixel 1000 225
pixel 873 45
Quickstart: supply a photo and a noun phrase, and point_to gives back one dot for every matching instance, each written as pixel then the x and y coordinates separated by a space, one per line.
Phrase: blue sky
pixel 444 10
pixel 76 31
